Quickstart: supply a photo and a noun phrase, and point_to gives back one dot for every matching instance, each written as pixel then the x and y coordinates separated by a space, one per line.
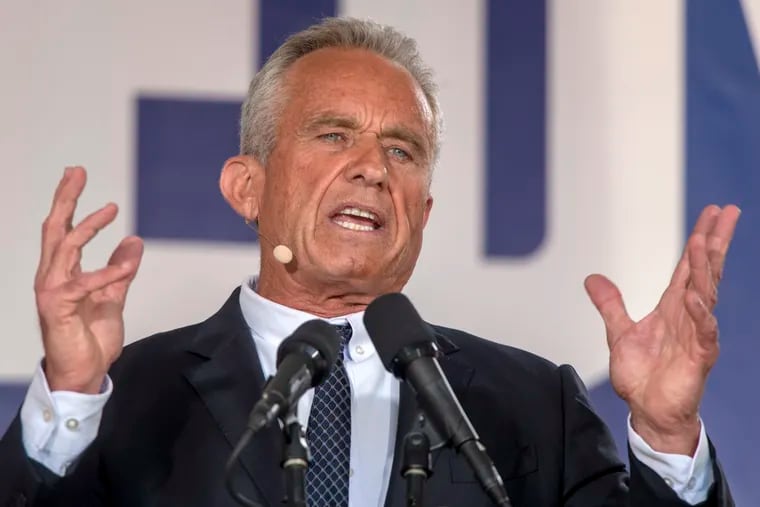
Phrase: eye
pixel 333 137
pixel 399 153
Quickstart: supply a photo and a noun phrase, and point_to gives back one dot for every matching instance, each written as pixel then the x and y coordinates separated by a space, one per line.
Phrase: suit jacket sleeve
pixel 24 482
pixel 593 473
pixel 20 479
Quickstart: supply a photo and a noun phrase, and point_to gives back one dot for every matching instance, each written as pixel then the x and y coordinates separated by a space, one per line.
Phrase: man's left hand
pixel 660 364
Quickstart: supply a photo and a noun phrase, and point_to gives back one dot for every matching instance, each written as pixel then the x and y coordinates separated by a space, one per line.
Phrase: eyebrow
pixel 404 134
pixel 351 123
pixel 331 120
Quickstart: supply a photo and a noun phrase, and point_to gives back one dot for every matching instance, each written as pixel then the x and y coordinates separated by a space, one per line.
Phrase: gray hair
pixel 262 106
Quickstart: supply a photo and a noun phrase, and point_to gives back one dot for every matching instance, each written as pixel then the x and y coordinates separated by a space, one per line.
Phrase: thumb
pixel 130 249
pixel 609 302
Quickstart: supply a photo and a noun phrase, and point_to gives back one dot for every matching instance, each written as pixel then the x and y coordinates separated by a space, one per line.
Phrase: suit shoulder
pixel 485 352
pixel 160 355
pixel 154 351
pixel 165 340
pixel 501 378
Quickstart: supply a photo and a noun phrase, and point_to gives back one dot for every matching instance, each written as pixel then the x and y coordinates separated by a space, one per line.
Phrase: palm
pixel 652 370
pixel 96 333
pixel 659 365
pixel 103 321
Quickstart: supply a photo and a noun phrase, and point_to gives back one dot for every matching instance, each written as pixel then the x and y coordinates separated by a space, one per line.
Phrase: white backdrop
pixel 71 71
pixel 620 75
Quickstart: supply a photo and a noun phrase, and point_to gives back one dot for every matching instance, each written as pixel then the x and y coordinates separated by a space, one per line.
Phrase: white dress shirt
pixel 374 391
pixel 58 426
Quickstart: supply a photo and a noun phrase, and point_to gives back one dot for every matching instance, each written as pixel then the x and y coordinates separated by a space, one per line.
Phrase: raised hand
pixel 81 313
pixel 659 365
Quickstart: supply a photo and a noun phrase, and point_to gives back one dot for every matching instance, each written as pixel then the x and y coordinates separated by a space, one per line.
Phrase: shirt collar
pixel 273 322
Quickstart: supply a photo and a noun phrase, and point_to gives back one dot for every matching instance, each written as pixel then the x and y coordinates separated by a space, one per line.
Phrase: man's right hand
pixel 81 313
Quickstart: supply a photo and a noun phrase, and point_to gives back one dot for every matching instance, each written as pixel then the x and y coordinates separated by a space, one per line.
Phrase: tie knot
pixel 345 332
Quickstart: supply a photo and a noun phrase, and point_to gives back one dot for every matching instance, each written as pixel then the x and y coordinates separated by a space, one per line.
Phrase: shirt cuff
pixel 690 477
pixel 58 426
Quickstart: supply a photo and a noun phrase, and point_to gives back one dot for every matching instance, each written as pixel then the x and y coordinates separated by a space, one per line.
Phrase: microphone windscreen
pixel 393 323
pixel 283 254
pixel 316 334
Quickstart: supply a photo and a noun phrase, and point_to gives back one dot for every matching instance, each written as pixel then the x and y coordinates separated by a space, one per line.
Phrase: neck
pixel 322 298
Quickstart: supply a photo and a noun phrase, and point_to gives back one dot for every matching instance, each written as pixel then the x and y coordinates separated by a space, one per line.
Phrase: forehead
pixel 358 81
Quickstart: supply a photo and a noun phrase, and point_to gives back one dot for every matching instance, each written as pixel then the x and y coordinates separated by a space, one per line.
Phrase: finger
pixel 69 252
pixel 700 278
pixel 129 251
pixel 719 239
pixel 705 323
pixel 706 220
pixel 86 283
pixel 705 223
pixel 681 274
pixel 58 222
pixel 609 302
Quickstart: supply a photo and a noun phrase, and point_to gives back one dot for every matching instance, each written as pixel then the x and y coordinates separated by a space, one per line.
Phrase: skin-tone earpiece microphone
pixel 282 253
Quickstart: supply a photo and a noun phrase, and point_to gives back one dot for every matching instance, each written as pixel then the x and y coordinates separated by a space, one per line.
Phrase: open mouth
pixel 357 219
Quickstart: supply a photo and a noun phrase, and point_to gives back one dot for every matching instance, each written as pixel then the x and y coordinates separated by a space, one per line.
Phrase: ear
pixel 241 183
pixel 428 207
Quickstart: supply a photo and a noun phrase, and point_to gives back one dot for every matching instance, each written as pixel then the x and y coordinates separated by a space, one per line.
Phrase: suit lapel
pixel 229 382
pixel 459 376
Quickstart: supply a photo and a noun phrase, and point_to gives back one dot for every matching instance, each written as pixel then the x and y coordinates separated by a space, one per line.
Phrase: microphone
pixel 282 253
pixel 303 361
pixel 406 346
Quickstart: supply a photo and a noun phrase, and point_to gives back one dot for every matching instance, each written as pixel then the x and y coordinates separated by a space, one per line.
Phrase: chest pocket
pixel 512 462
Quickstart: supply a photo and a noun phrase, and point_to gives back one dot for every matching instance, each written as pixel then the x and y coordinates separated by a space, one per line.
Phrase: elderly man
pixel 339 136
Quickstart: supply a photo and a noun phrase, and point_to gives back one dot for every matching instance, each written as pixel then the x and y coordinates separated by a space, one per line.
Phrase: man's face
pixel 347 184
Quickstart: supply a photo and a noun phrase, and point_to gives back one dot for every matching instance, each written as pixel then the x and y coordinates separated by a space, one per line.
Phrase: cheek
pixel 417 204
pixel 289 184
pixel 298 196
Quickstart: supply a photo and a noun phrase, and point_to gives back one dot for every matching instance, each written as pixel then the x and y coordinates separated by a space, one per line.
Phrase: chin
pixel 352 267
pixel 362 266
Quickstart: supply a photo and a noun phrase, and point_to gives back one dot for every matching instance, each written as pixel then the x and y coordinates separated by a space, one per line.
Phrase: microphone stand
pixel 295 460
pixel 416 467
pixel 417 463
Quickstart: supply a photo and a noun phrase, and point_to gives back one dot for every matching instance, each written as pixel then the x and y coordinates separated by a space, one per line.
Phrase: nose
pixel 369 166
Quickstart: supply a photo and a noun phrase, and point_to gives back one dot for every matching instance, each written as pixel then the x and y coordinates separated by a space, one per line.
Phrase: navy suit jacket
pixel 181 401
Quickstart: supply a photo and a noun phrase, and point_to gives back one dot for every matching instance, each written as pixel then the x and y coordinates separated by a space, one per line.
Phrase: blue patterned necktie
pixel 329 435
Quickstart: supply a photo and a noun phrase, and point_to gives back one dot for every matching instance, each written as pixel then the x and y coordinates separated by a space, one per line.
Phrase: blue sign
pixel 515 112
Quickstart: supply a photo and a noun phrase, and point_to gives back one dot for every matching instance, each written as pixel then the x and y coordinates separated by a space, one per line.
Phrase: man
pixel 339 136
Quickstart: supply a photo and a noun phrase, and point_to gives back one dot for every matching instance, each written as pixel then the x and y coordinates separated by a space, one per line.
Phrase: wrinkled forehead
pixel 361 77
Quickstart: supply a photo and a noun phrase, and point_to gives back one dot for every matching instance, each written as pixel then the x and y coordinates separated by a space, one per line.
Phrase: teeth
pixel 359 213
pixel 353 226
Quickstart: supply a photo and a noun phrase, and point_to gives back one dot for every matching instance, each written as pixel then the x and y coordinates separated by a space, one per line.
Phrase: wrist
pixel 84 384
pixel 680 437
